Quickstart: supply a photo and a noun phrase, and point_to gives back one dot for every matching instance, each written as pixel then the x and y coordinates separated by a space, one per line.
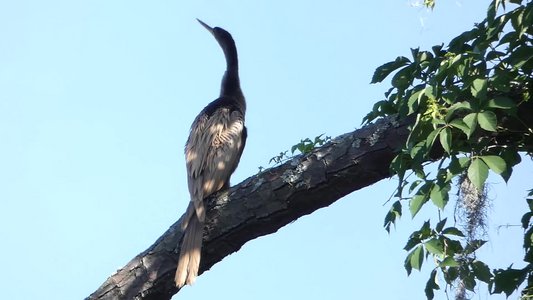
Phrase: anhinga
pixel 212 153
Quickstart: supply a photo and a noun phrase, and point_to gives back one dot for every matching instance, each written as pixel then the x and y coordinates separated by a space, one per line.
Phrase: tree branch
pixel 262 204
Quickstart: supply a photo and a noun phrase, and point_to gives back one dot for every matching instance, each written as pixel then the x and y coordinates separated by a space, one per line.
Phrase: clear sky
pixel 96 99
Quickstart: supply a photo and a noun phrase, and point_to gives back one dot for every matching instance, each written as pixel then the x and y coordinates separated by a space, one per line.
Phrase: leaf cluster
pixel 303 147
pixel 450 255
pixel 465 101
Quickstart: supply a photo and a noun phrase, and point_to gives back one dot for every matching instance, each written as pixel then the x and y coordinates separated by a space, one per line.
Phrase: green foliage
pixel 448 250
pixel 429 3
pixel 278 159
pixel 394 213
pixel 305 146
pixel 462 98
pixel 478 173
pixel 508 280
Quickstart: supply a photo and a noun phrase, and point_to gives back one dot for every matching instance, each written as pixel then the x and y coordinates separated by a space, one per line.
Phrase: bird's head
pixel 225 40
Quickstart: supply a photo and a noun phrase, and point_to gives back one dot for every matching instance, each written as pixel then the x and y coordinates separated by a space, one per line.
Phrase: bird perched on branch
pixel 212 153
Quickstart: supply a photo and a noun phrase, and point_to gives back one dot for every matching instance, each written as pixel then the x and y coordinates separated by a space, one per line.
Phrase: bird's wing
pixel 212 153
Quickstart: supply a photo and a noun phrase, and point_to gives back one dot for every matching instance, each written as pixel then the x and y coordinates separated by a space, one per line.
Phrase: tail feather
pixel 191 248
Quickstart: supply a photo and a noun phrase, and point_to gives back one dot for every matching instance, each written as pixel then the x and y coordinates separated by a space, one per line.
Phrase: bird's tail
pixel 191 248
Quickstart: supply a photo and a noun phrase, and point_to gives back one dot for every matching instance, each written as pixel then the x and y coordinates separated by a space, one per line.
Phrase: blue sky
pixel 96 100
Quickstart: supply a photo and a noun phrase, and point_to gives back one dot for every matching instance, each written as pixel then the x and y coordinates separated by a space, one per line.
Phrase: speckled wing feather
pixel 212 153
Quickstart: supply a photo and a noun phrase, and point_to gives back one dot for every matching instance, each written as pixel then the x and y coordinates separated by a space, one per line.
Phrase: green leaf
pixel 481 271
pixel 517 19
pixel 507 281
pixel 459 43
pixel 479 88
pixel 429 3
pixel 470 121
pixel 417 257
pixel 487 120
pixel 425 231
pixel 494 54
pixel 525 219
pixel 431 92
pixel 453 246
pixel 294 148
pixel 500 2
pixel 413 101
pixel 465 105
pixel 460 124
pixel 407 264
pixel 458 106
pixel 431 285
pixel 440 225
pixel 473 245
pixel 453 231
pixel 414 184
pixel 414 53
pixel 469 281
pixel 435 246
pixel 403 78
pixel 421 197
pixel 414 240
pixel 418 151
pixel 528 244
pixel 520 56
pixel 501 102
pixel 431 138
pixel 445 138
pixel 478 173
pixel 439 195
pixel 416 203
pixel 437 50
pixel 456 60
pixel 495 163
pixel 508 38
pixel 451 274
pixel 399 163
pixel 458 165
pixel 384 70
pixel 511 158
pixel 425 56
pixel 449 261
pixel 419 171
pixel 394 213
pixel 491 13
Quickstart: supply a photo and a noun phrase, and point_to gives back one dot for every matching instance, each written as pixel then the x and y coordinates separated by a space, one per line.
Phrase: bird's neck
pixel 231 87
pixel 230 54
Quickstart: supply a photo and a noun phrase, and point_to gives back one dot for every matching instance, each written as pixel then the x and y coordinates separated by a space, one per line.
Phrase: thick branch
pixel 262 204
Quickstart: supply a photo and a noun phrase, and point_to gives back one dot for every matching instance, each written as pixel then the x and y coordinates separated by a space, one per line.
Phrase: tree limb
pixel 262 204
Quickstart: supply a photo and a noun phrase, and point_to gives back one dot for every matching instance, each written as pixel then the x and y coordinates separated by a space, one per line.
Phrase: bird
pixel 212 152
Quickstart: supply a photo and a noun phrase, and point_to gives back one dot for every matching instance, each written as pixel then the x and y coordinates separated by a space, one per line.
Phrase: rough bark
pixel 262 204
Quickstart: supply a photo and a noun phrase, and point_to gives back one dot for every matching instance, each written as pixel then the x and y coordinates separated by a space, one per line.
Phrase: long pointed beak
pixel 209 28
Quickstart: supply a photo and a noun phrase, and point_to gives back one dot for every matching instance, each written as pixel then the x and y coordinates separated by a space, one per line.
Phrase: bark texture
pixel 262 204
